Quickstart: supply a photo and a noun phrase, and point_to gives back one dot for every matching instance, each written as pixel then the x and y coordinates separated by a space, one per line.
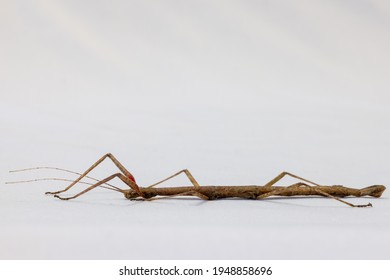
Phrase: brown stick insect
pixel 135 192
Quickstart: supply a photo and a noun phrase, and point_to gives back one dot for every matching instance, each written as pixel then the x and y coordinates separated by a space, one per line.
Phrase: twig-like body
pixel 302 188
pixel 253 192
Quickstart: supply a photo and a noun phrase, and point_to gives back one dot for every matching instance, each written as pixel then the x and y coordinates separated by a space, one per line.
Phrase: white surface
pixel 235 91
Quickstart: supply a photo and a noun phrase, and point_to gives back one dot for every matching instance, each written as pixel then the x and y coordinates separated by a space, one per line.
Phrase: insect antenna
pixel 65 180
pixel 106 186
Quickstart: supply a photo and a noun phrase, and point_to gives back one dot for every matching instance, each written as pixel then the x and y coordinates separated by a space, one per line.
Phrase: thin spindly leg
pixel 281 175
pixel 192 193
pixel 321 192
pixel 98 184
pixel 114 160
pixel 185 171
pixel 285 190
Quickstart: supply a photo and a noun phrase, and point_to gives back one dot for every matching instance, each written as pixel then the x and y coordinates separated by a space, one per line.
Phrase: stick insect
pixel 135 192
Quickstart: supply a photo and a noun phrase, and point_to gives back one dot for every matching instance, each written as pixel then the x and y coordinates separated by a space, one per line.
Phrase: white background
pixel 235 91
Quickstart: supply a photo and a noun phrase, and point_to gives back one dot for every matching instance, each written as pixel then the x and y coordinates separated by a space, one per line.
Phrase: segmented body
pixel 253 191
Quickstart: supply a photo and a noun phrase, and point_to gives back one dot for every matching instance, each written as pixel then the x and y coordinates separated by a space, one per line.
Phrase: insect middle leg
pixel 185 171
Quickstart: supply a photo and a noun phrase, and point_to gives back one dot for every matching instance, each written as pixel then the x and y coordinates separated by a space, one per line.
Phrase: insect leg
pixel 118 175
pixel 321 192
pixel 185 171
pixel 315 189
pixel 114 160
